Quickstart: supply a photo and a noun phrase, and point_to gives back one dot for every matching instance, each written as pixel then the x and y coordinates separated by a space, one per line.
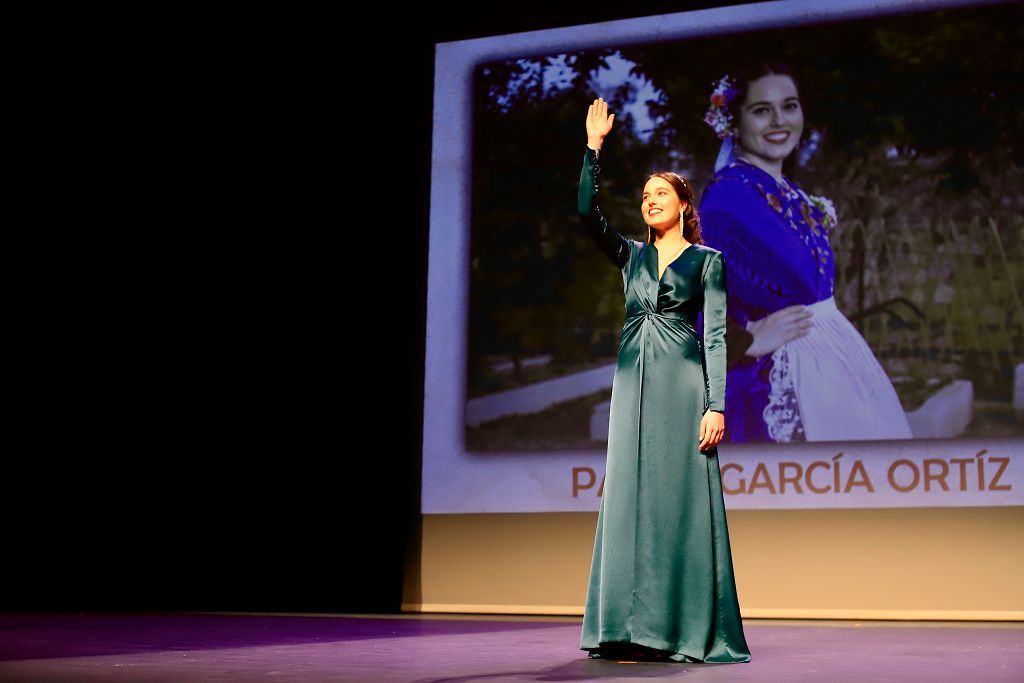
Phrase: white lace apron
pixel 830 382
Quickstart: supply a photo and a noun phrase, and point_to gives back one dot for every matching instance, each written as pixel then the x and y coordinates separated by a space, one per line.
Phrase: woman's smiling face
pixel 660 203
pixel 772 118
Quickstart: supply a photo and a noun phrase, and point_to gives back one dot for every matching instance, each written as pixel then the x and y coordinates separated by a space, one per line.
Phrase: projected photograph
pixel 897 226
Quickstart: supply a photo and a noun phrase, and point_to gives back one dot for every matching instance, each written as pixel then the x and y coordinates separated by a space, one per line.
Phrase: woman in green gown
pixel 661 579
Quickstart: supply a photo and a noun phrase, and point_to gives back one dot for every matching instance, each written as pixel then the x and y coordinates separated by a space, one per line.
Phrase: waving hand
pixel 599 123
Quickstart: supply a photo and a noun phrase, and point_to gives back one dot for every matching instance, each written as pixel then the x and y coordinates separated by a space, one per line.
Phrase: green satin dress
pixel 662 574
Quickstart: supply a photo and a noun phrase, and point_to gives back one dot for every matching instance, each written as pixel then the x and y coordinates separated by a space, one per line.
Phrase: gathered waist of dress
pixel 675 318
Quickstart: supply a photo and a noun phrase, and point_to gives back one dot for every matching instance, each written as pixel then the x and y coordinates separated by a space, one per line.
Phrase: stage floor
pixel 431 648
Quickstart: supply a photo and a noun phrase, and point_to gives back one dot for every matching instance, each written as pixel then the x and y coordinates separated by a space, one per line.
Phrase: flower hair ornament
pixel 828 208
pixel 719 118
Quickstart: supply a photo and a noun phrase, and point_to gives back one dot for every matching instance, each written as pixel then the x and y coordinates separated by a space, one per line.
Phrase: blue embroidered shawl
pixel 774 240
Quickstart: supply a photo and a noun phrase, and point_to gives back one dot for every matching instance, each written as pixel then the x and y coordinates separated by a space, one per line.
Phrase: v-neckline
pixel 669 264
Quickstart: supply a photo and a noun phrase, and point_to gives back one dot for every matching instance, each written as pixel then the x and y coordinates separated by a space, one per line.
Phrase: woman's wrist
pixel 595 144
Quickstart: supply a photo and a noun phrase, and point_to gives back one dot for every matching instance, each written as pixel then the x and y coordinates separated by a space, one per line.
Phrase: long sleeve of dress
pixel 611 242
pixel 715 295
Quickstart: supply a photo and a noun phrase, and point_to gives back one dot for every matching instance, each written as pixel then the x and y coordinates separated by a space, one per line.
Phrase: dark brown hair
pixel 691 218
pixel 744 76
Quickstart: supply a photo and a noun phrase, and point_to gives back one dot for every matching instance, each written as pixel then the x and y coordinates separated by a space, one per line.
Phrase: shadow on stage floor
pixel 431 648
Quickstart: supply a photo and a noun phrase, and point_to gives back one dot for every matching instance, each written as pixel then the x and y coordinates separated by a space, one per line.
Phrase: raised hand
pixel 599 123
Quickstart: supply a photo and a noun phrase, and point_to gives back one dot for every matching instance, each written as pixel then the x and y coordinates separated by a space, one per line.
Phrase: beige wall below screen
pixel 921 563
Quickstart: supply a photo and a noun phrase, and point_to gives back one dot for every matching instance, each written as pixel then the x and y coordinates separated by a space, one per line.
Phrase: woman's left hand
pixel 712 429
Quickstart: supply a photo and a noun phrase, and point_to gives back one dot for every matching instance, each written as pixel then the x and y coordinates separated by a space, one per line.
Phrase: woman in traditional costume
pixel 807 374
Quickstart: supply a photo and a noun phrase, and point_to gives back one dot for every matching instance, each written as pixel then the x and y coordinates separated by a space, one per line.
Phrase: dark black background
pixel 229 416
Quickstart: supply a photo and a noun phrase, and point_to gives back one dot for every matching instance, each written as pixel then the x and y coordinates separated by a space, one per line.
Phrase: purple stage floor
pixel 145 647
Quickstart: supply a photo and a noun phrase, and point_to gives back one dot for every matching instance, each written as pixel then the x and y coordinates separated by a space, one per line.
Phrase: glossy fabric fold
pixel 661 573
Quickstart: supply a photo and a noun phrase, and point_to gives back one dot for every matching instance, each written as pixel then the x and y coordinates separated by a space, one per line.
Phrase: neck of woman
pixel 772 167
pixel 671 239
